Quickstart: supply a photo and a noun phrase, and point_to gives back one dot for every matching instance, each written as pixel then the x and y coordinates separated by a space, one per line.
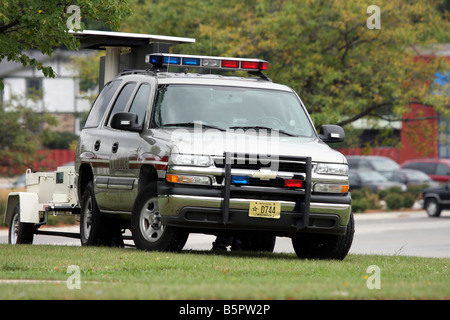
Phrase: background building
pixel 59 96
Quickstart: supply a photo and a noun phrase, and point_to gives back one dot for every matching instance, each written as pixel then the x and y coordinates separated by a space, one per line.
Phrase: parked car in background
pixel 438 169
pixel 372 180
pixel 436 199
pixel 412 177
pixel 383 165
pixel 19 183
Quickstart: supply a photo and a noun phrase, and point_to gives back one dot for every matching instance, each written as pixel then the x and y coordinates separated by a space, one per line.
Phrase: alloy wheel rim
pixel 87 222
pixel 432 208
pixel 150 221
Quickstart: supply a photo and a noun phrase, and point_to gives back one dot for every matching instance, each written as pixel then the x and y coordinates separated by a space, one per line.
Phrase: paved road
pixel 405 233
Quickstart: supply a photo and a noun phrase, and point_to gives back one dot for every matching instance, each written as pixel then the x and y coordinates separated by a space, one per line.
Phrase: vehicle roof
pixel 366 157
pixel 429 160
pixel 209 79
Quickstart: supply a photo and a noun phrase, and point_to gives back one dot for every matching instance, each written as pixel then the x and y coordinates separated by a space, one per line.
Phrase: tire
pixel 148 232
pixel 20 232
pixel 95 228
pixel 258 241
pixel 324 246
pixel 432 207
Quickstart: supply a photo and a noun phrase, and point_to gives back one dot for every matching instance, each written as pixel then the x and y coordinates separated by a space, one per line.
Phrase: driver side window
pixel 140 102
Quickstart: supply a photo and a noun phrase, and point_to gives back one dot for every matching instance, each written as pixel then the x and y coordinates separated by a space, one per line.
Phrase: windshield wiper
pixel 266 128
pixel 192 124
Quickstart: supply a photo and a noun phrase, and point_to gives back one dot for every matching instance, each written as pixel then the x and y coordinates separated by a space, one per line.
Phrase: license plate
pixel 264 209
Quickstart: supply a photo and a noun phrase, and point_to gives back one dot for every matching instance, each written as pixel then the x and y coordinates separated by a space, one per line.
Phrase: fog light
pixel 330 188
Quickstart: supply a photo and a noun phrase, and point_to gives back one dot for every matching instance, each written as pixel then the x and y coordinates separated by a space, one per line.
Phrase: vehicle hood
pixel 215 142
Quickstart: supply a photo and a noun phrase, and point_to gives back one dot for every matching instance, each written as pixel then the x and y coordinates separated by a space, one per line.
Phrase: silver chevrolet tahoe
pixel 168 153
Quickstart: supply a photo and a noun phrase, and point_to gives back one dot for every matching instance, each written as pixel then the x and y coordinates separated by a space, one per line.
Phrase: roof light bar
pixel 242 64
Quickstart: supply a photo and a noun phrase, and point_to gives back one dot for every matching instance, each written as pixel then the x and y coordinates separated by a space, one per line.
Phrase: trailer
pixel 48 193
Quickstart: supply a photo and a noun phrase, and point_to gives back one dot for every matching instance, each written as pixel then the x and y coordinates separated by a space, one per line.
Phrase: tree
pixel 342 70
pixel 44 25
pixel 20 135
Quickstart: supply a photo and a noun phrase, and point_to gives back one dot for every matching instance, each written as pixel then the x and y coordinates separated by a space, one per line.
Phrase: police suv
pixel 171 153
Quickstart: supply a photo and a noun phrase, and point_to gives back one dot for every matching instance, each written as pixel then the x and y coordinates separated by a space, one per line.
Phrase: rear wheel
pixel 148 232
pixel 20 232
pixel 324 246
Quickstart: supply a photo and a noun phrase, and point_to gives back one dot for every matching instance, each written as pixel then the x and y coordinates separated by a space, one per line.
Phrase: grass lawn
pixel 115 273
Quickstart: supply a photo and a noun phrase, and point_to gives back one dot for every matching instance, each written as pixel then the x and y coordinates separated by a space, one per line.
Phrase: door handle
pixel 115 147
pixel 97 145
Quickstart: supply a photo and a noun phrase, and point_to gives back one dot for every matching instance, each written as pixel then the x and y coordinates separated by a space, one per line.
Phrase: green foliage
pixel 408 200
pixel 342 70
pixel 88 70
pixel 394 201
pixel 359 205
pixel 57 140
pixel 20 134
pixel 395 198
pixel 42 25
pixel 416 190
pixel 363 199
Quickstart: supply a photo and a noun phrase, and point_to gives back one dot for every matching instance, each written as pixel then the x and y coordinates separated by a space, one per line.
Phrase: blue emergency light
pixel 243 64
pixel 239 180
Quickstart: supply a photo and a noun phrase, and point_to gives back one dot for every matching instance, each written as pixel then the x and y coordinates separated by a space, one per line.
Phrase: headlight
pixel 190 160
pixel 331 168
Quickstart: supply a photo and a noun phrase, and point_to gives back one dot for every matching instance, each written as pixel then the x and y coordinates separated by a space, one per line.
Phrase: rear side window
pixel 101 103
pixel 428 168
pixel 442 170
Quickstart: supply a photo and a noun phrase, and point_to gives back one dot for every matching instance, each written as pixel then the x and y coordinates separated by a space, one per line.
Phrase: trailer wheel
pixel 148 232
pixel 20 232
pixel 93 226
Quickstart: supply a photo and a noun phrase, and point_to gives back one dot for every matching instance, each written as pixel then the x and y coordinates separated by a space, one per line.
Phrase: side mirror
pixel 331 133
pixel 126 121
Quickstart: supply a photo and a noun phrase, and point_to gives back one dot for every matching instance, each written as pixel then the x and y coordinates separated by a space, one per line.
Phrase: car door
pixel 110 196
pixel 95 142
pixel 442 173
pixel 124 164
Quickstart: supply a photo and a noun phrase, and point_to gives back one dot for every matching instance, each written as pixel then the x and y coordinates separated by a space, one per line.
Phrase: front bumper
pixel 202 208
pixel 227 207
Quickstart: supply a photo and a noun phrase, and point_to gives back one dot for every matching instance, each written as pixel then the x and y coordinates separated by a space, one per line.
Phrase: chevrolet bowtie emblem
pixel 265 174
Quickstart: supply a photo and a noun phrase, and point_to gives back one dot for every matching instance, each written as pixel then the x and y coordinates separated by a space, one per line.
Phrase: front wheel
pixel 95 228
pixel 147 230
pixel 433 208
pixel 325 246
pixel 20 232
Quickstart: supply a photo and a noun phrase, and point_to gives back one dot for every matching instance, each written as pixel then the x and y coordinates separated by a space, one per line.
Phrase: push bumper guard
pixel 298 194
pixel 203 208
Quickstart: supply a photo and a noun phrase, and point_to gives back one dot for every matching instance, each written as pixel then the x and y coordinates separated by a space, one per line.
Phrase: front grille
pixel 254 163
pixel 283 164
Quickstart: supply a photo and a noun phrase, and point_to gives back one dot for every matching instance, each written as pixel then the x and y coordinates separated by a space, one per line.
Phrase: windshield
pixel 417 176
pixel 231 108
pixel 371 176
pixel 382 164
